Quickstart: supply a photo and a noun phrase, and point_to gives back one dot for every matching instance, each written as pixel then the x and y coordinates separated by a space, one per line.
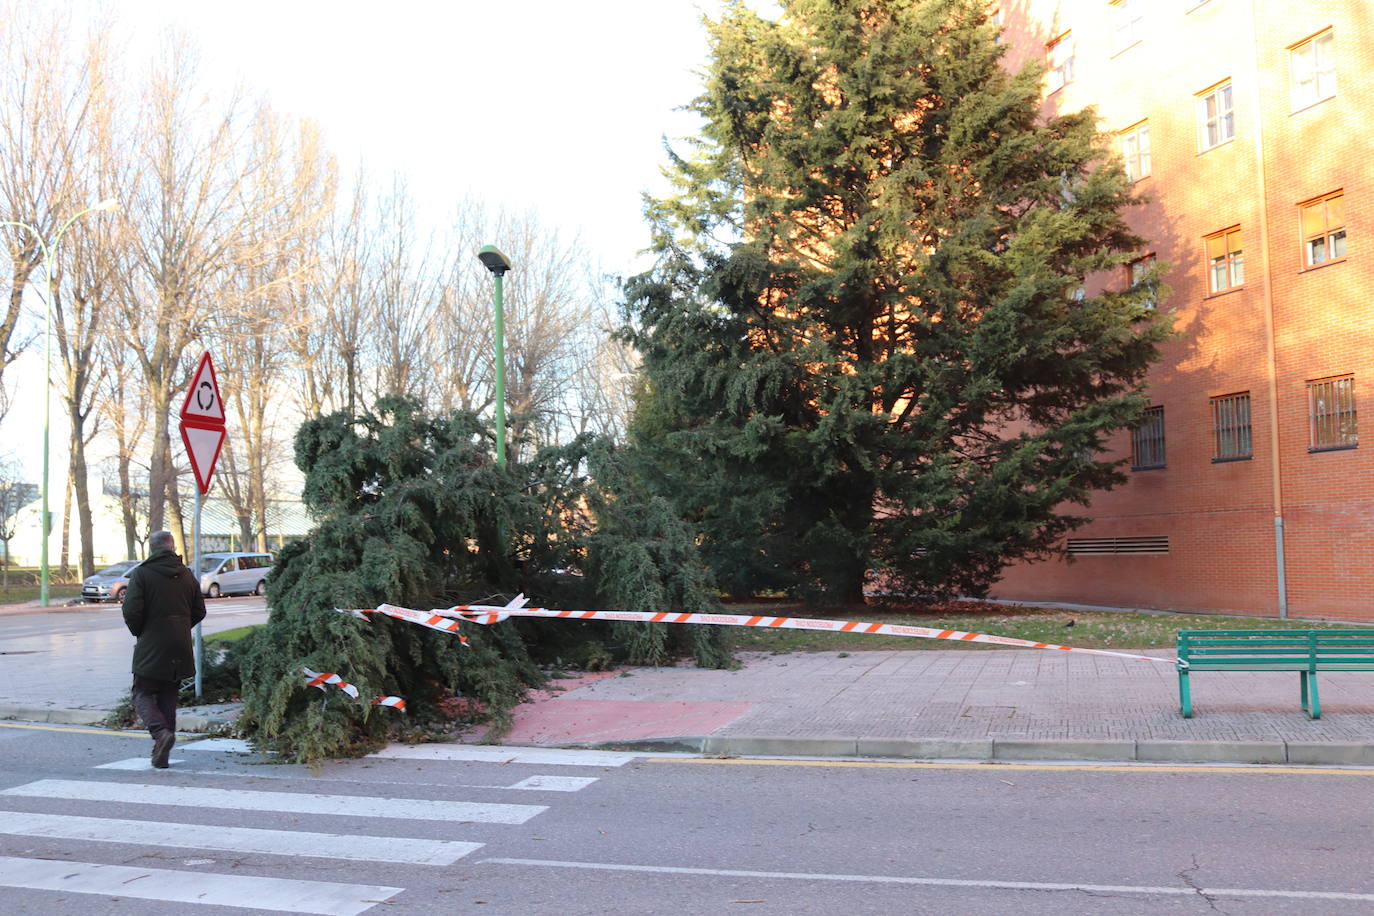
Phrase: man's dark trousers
pixel 155 701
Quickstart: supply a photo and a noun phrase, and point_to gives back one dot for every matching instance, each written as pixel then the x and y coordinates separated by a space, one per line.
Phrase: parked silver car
pixel 234 573
pixel 108 584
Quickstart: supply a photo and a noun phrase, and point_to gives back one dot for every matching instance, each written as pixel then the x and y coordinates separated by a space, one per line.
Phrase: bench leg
pixel 1302 687
pixel 1314 708
pixel 1185 694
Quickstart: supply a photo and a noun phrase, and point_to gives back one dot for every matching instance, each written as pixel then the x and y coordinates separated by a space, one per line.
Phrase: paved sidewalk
pixel 978 704
pixel 993 704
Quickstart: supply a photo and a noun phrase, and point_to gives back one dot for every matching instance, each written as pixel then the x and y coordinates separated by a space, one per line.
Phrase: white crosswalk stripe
pixel 363 848
pixel 128 782
pixel 537 755
pixel 281 895
pixel 286 802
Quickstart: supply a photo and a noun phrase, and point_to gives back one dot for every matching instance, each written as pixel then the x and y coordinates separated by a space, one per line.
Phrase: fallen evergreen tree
pixel 413 511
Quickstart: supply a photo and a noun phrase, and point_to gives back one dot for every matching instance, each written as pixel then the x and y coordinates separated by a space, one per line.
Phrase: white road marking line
pixel 946 882
pixel 529 784
pixel 223 745
pixel 405 850
pixel 284 802
pixel 494 754
pixel 282 895
pixel 134 763
pixel 554 783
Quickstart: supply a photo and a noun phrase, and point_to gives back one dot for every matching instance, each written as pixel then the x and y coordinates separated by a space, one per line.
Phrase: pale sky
pixel 550 106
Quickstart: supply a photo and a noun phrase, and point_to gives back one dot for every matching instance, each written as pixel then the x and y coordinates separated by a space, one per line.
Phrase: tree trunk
pixel 161 480
pixel 126 507
pixel 64 561
pixel 85 523
pixel 176 523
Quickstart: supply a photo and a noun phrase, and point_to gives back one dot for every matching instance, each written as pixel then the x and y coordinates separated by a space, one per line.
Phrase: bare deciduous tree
pixel 14 495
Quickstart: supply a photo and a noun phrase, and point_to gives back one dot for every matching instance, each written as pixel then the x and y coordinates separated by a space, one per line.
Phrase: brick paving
pixel 999 694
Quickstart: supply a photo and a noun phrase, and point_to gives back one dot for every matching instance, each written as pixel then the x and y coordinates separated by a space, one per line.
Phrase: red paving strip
pixel 552 716
pixel 579 721
pixel 560 686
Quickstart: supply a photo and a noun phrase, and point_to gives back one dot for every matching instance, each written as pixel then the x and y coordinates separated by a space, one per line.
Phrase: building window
pixel 1323 229
pixel 1061 61
pixel 1147 441
pixel 1314 70
pixel 1140 273
pixel 1231 427
pixel 1216 117
pixel 996 18
pixel 1127 19
pixel 1135 150
pixel 1225 261
pixel 1331 409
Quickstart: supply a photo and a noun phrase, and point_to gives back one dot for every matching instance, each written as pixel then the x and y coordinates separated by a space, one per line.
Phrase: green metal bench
pixel 1303 651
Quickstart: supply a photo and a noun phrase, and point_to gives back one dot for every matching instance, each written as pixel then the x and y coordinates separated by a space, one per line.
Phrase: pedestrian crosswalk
pixel 282 895
pixel 96 819
pixel 285 802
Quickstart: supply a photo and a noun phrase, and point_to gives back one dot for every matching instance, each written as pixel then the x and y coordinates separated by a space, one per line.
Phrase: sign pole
pixel 202 431
pixel 198 641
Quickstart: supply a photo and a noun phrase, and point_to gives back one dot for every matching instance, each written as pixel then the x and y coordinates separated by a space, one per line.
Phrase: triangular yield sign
pixel 202 399
pixel 203 442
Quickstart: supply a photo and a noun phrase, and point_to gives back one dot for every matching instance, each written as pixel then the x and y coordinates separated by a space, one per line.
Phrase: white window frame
pixel 1312 70
pixel 1227 270
pixel 1222 117
pixel 1134 143
pixel 1331 240
pixel 1127 19
pixel 1139 270
pixel 1060 66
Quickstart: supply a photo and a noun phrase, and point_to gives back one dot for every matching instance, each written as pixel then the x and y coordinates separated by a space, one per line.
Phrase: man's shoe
pixel 162 747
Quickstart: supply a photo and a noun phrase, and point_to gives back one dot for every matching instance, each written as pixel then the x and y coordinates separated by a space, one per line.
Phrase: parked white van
pixel 234 573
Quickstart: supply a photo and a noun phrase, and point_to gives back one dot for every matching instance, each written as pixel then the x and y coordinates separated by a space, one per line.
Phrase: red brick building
pixel 1246 125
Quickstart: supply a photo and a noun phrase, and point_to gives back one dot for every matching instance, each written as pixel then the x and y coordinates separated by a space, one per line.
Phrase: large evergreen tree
pixel 866 345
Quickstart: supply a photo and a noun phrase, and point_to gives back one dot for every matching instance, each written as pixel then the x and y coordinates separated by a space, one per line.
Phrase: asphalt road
pixel 220 614
pixel 77 658
pixel 86 827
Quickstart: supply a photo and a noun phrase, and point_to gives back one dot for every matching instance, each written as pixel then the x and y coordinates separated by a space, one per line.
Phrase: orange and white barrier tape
pixel 489 614
pixel 433 620
pixel 316 679
pixel 319 679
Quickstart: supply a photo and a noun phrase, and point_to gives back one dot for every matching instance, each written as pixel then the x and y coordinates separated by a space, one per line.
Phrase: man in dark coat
pixel 161 605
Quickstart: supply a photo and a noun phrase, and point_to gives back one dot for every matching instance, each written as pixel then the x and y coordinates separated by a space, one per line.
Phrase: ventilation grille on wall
pixel 1094 547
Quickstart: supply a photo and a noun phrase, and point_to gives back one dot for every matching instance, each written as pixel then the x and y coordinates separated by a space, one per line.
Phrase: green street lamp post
pixel 49 251
pixel 498 264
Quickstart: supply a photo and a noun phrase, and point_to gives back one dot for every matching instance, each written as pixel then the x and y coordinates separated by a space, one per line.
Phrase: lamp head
pixel 494 260
pixel 108 203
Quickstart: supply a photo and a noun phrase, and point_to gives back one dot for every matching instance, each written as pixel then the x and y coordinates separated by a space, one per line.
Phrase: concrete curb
pixel 1020 750
pixel 993 750
pixel 55 716
pixel 186 721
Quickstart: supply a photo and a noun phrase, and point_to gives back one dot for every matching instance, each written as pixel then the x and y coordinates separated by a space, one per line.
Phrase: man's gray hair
pixel 160 540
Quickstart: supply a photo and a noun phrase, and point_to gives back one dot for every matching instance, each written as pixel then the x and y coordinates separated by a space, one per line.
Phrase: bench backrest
pixel 1279 650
